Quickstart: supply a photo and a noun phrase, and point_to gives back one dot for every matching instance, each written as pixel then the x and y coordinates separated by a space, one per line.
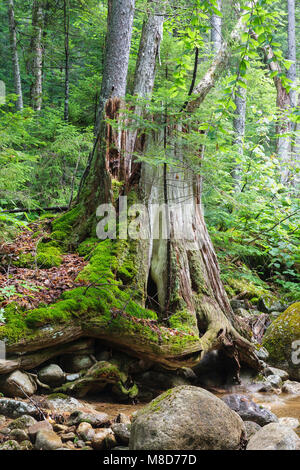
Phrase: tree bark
pixel 239 123
pixel 36 50
pixel 15 56
pixel 216 29
pixel 67 57
pixel 283 126
pixel 292 74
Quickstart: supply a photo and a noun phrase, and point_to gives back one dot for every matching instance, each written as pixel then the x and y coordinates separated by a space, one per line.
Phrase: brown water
pixel 282 405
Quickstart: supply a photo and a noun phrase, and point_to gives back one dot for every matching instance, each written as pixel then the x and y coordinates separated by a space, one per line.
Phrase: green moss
pixel 183 321
pixel 87 246
pixel 116 186
pixel 59 235
pixel 54 396
pixel 15 326
pixel 24 260
pixel 64 224
pixel 281 333
pixel 106 301
pixel 48 255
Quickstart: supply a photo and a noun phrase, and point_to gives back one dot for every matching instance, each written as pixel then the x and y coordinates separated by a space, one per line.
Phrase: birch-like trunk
pixel 67 57
pixel 15 56
pixel 292 74
pixel 239 124
pixel 36 50
pixel 216 29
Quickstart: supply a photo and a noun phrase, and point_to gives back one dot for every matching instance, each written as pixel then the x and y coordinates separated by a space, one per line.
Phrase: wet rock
pixel 251 428
pixel 275 381
pixel 18 384
pixel 26 445
pixel 37 427
pixel 52 375
pixel 97 420
pixel 61 405
pixel 122 432
pixel 77 363
pixel 72 377
pixel 18 435
pixel 10 445
pixel 291 387
pixel 47 440
pixel 186 418
pixel 5 431
pixel 262 354
pixel 248 410
pixel 85 431
pixel 80 444
pixel 292 423
pixel 68 437
pixel 282 341
pixel 24 422
pixel 269 371
pixel 274 436
pixel 16 408
pixel 60 428
pixel 122 418
pixel 104 439
pixel 121 448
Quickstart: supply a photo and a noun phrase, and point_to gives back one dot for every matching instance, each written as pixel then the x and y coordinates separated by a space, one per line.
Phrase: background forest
pixel 250 187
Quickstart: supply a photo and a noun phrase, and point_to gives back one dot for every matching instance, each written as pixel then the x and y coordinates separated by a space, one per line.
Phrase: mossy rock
pixel 280 339
pixel 48 256
pixel 24 260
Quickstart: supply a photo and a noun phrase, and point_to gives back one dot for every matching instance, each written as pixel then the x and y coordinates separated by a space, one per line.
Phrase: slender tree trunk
pixel 283 126
pixel 15 57
pixel 216 29
pixel 67 57
pixel 292 74
pixel 113 90
pixel 239 123
pixel 36 49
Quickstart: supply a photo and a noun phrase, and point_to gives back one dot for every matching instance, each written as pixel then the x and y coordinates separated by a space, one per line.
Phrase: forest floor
pixel 31 287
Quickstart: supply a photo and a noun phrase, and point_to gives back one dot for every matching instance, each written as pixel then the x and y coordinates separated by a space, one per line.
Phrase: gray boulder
pixel 291 387
pixel 18 384
pixel 10 445
pixel 52 375
pixel 251 428
pixel 186 418
pixel 61 404
pixel 290 422
pixel 97 420
pixel 274 436
pixel 18 435
pixel 16 408
pixel 77 363
pixel 47 440
pixel 248 410
pixel 24 422
pixel 278 372
pixel 122 432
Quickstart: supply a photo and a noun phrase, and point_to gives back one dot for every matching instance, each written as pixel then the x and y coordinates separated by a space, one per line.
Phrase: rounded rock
pixel 187 418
